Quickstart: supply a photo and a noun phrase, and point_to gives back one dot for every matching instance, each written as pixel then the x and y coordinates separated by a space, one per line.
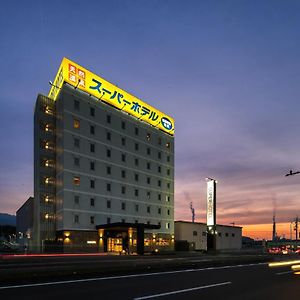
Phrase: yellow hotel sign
pixel 93 84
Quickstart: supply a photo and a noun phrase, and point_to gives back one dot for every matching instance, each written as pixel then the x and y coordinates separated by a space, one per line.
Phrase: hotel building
pixel 103 168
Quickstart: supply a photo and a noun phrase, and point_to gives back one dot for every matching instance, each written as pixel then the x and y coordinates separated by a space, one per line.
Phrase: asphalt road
pixel 244 281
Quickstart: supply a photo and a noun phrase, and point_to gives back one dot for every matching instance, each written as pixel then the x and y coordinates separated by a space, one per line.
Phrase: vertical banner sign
pixel 211 203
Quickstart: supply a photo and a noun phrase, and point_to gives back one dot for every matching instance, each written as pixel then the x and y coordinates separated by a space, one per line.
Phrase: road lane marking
pixel 283 273
pixel 126 276
pixel 183 291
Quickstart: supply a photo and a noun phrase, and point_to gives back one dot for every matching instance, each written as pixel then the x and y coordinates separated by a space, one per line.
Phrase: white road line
pixel 125 276
pixel 283 273
pixel 183 291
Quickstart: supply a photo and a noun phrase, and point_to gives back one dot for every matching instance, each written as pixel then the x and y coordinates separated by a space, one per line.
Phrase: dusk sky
pixel 227 71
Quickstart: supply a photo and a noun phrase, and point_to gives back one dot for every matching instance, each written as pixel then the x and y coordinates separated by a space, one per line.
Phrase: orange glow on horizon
pixel 264 231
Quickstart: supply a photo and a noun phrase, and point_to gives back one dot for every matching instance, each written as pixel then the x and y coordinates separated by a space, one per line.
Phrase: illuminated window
pixel 48 128
pixel 76 123
pixel 76 180
pixel 49 180
pixel 168 198
pixel 48 110
pixel 148 136
pixel 46 216
pixel 167 225
pixel 168 144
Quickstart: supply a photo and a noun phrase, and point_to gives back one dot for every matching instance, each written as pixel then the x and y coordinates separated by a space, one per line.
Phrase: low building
pixel 193 236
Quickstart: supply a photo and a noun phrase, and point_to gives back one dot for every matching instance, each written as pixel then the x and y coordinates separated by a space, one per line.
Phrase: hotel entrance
pixel 114 245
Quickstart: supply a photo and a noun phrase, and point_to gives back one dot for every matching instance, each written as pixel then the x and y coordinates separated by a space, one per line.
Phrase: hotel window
pixel 148 136
pixel 123 157
pixel 168 144
pixel 108 119
pixel 92 184
pixel 123 190
pixel 136 131
pixel 136 146
pixel 76 123
pixel 136 192
pixel 48 110
pixel 148 166
pixel 194 233
pixel 123 173
pixel 76 105
pixel 92 148
pixel 76 219
pixel 76 199
pixel 123 220
pixel 159 169
pixel 92 219
pixel 159 141
pixel 92 165
pixel 168 172
pixel 219 234
pixel 76 142
pixel 136 221
pixel 108 187
pixel 76 180
pixel 167 225
pixel 108 153
pixel 92 129
pixel 232 234
pixel 92 202
pixel 108 136
pixel 168 212
pixel 159 224
pixel 136 161
pixel 136 207
pixel 123 206
pixel 159 210
pixel 123 125
pixel 148 151
pixel 159 196
pixel 148 195
pixel 123 141
pixel 168 185
pixel 167 198
pixel 148 209
pixel 76 161
pixel 92 111
pixel 203 233
pixel 108 220
pixel 108 170
pixel 108 204
pixel 148 180
pixel 168 158
pixel 226 234
pixel 158 182
pixel 136 177
pixel 159 155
